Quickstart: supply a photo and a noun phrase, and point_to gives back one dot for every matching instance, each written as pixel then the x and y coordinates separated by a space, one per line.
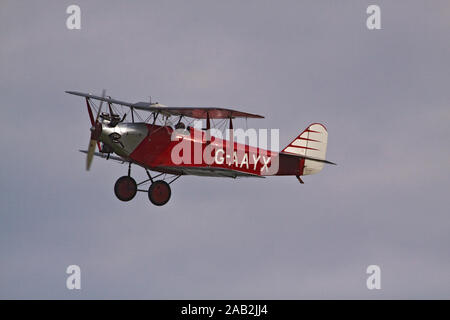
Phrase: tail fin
pixel 311 143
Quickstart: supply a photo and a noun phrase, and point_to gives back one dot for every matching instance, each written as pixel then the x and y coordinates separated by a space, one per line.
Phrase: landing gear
pixel 159 193
pixel 125 188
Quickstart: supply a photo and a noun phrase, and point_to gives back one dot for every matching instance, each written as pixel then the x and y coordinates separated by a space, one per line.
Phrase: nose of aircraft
pixel 124 137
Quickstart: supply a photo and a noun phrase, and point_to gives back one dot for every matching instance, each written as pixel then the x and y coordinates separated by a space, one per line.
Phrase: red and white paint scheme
pixel 310 143
pixel 172 150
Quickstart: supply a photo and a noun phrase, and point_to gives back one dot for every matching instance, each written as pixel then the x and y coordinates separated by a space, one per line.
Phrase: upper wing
pixel 105 99
pixel 191 112
pixel 196 112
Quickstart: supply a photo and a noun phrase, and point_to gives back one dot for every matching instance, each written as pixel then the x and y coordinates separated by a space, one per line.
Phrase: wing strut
pixel 155 116
pixel 208 127
pixel 208 122
pixel 91 116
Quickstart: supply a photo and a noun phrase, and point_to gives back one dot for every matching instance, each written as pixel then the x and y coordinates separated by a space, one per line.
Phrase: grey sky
pixel 383 95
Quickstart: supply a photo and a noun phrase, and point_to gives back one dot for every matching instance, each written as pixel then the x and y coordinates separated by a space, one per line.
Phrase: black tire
pixel 125 188
pixel 159 193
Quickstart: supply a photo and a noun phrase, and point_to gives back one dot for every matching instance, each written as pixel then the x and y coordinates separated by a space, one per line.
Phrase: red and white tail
pixel 311 143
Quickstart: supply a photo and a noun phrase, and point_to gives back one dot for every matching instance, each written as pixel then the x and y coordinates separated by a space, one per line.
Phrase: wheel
pixel 125 188
pixel 159 193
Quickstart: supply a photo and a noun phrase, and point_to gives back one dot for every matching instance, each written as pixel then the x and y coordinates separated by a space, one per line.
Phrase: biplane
pixel 164 144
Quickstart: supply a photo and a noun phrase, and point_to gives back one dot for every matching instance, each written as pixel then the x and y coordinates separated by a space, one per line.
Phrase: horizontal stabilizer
pixel 309 158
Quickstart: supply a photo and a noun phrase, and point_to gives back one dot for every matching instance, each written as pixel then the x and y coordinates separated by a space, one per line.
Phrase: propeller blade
pixel 91 116
pixel 95 134
pixel 90 153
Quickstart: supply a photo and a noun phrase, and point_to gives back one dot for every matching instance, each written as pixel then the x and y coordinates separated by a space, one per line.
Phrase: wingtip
pixel 76 93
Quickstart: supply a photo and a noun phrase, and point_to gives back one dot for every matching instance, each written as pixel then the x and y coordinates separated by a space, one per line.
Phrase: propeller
pixel 96 131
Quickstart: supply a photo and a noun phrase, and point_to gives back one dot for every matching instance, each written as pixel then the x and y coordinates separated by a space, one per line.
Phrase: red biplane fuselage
pixel 190 150
pixel 159 152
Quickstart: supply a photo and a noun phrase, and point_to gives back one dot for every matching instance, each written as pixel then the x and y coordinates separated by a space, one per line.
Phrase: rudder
pixel 312 142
